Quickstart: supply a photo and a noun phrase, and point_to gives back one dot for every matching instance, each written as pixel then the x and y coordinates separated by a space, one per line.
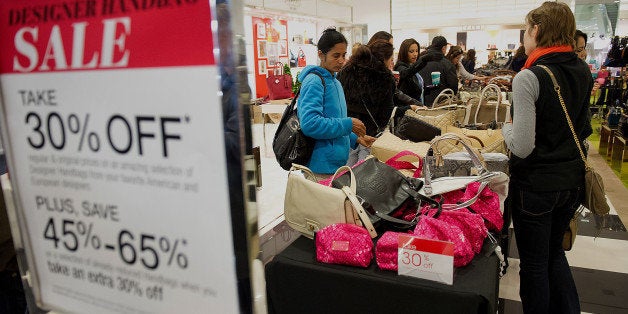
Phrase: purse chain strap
pixel 562 103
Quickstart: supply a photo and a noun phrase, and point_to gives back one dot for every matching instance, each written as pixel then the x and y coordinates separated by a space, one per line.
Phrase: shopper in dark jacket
pixel 369 88
pixel 408 65
pixel 448 77
pixel 547 171
pixel 469 61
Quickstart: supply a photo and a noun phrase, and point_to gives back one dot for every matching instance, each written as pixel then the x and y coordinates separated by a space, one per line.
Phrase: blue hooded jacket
pixel 323 116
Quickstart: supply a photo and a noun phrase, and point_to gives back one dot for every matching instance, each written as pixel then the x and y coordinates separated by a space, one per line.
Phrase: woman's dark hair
pixel 470 55
pixel 521 52
pixel 329 39
pixel 381 49
pixel 381 35
pixel 405 48
pixel 373 54
pixel 453 52
pixel 580 33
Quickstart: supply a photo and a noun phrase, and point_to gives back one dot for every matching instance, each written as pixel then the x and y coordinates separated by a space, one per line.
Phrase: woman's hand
pixel 358 127
pixel 416 108
pixel 366 140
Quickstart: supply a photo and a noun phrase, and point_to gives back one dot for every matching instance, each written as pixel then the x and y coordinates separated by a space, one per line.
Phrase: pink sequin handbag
pixel 429 227
pixel 344 244
pixel 386 251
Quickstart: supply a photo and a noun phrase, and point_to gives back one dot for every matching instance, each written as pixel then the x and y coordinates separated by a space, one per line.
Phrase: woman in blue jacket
pixel 322 109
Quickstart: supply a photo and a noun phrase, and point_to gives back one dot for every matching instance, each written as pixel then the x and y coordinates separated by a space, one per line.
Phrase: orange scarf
pixel 538 52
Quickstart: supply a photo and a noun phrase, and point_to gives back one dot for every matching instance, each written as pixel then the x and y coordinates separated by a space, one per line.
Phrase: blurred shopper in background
pixel 469 61
pixel 408 65
pixel 519 59
pixel 447 71
pixel 454 56
pixel 581 45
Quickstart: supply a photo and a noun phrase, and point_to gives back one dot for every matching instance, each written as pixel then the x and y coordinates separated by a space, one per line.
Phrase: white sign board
pixel 426 259
pixel 115 140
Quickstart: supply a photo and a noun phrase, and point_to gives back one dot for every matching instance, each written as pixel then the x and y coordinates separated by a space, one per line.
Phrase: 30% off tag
pixel 426 259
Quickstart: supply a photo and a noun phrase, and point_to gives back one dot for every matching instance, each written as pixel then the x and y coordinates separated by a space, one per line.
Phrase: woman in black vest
pixel 547 172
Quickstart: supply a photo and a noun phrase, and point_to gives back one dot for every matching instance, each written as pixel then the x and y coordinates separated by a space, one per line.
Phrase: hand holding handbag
pixel 310 206
pixel 279 83
pixel 594 195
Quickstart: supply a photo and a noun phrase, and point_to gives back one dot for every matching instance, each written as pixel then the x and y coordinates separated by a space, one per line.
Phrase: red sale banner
pixel 44 36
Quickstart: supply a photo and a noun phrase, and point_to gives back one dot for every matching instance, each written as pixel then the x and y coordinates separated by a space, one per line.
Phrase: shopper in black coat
pixel 408 65
pixel 369 87
pixel 448 76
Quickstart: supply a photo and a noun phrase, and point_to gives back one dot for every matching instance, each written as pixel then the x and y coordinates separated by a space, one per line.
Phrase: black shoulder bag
pixel 290 145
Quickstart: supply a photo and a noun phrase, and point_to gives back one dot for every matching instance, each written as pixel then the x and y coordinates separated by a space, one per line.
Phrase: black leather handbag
pixel 290 145
pixel 383 190
pixel 416 130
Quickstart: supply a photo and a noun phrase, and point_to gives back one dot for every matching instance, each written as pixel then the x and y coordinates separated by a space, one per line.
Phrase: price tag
pixel 426 259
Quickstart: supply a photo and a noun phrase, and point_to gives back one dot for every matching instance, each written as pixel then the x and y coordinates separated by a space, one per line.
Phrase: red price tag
pixel 426 259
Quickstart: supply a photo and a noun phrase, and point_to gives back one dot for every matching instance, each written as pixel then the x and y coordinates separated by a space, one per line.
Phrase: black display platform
pixel 297 283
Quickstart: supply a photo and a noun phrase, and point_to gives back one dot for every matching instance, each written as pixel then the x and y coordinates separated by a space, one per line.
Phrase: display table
pixel 297 283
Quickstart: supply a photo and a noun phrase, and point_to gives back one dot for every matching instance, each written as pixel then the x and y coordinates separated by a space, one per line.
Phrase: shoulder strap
pixel 562 103
pixel 366 221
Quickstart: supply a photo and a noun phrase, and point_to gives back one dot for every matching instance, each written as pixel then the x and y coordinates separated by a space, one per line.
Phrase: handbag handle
pixel 278 68
pixel 562 103
pixel 447 93
pixel 473 154
pixel 391 121
pixel 402 164
pixel 366 221
pixel 468 202
pixel 342 170
pixel 484 95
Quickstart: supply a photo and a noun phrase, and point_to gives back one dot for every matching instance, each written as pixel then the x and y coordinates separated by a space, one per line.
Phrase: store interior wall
pixel 487 24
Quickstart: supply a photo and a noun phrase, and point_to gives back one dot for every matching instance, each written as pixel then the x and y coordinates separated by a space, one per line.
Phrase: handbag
pixel 486 141
pixel 386 251
pixel 430 227
pixel 458 164
pixel 279 83
pixel 572 230
pixel 344 244
pixel 388 145
pixel 496 181
pixel 290 145
pixel 594 195
pixel 414 129
pixel 301 58
pixel 440 118
pixel 310 206
pixel 384 190
pixel 484 111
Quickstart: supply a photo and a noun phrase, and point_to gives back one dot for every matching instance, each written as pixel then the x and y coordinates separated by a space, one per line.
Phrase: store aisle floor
pixel 599 263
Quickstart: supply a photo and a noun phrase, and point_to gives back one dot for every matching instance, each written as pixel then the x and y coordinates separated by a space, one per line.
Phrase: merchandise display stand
pixel 297 283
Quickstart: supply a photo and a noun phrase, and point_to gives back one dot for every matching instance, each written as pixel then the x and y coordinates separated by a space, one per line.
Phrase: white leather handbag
pixel 310 206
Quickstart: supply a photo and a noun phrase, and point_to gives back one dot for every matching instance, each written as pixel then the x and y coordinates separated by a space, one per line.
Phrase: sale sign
pixel 113 128
pixel 426 259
